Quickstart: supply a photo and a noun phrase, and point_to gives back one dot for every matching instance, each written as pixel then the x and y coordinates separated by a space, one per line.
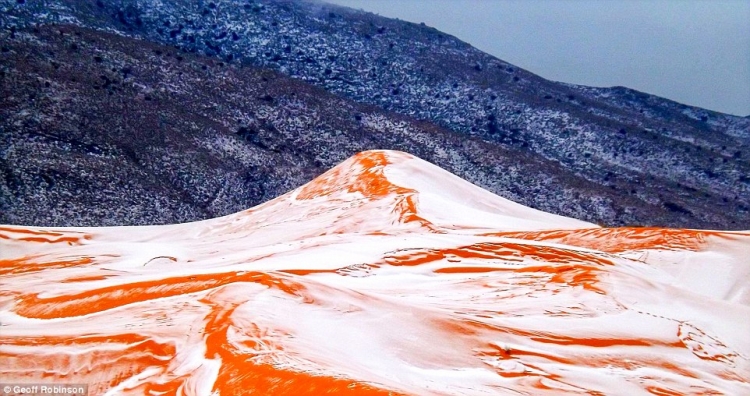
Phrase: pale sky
pixel 695 52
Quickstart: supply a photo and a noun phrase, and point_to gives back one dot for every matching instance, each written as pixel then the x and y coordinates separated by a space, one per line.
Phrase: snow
pixel 448 200
pixel 384 274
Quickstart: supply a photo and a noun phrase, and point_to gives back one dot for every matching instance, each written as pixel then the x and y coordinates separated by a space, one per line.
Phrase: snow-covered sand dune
pixel 385 275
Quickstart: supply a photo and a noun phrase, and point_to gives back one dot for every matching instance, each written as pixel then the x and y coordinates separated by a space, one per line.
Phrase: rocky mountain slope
pixel 612 156
pixel 396 278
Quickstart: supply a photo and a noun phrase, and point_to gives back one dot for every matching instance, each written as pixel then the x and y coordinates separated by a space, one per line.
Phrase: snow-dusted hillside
pixel 613 156
pixel 385 275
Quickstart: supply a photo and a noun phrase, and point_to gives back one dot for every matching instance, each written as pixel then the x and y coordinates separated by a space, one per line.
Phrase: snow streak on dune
pixel 386 275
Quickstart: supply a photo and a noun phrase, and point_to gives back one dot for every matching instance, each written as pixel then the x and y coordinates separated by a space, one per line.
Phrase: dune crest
pixel 385 275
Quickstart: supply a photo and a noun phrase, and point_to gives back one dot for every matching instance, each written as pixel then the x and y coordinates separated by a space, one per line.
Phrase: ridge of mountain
pixel 385 275
pixel 649 154
pixel 147 135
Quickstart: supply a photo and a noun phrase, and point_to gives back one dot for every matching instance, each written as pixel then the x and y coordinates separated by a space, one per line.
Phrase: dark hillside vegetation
pixel 183 111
